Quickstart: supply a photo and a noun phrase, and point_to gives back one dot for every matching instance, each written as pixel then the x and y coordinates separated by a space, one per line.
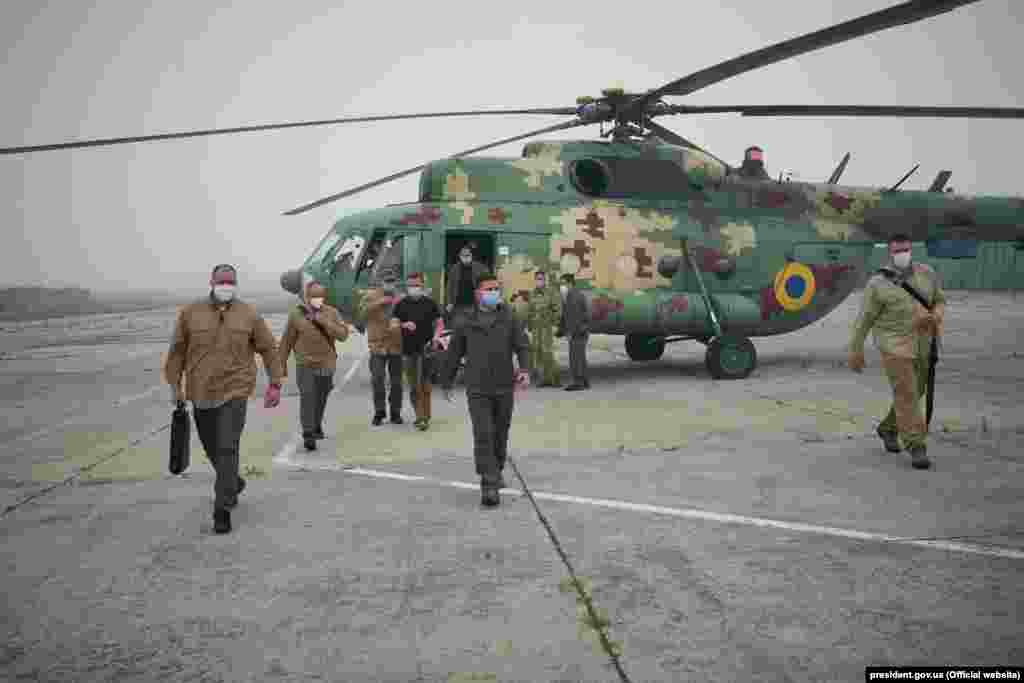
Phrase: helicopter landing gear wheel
pixel 730 357
pixel 644 347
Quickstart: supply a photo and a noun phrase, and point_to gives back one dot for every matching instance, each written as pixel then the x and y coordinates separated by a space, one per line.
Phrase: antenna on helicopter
pixel 940 181
pixel 896 187
pixel 836 174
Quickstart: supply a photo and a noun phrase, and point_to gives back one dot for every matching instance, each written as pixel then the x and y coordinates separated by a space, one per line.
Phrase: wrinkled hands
pixel 522 379
pixel 439 343
pixel 856 361
pixel 272 397
pixel 409 326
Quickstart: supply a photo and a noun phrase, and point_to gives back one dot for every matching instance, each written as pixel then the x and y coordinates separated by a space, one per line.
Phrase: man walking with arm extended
pixel 419 317
pixel 488 338
pixel 214 345
pixel 311 330
pixel 903 331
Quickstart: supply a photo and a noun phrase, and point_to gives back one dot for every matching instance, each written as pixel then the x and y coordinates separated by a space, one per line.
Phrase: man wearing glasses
pixel 488 338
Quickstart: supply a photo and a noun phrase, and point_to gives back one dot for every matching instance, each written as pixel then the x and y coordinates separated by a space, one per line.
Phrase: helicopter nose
pixel 291 281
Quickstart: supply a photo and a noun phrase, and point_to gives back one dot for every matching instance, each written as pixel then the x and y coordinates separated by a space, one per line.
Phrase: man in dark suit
pixel 574 324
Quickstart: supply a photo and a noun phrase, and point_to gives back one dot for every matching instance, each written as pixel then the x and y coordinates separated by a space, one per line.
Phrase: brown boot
pixel 890 439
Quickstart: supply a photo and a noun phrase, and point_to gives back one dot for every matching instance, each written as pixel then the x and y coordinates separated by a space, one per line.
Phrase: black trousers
pixel 391 365
pixel 578 358
pixel 314 388
pixel 491 415
pixel 220 432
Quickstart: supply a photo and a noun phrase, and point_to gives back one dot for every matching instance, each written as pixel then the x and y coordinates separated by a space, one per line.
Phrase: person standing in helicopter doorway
pixel 312 328
pixel 461 287
pixel 574 324
pixel 213 347
pixel 903 331
pixel 543 310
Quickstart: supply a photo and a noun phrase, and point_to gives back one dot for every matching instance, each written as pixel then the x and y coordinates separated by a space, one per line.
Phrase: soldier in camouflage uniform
pixel 543 310
pixel 903 331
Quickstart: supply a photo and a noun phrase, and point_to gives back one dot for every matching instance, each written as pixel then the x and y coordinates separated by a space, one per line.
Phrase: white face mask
pixel 316 302
pixel 466 259
pixel 224 293
pixel 902 259
pixel 415 292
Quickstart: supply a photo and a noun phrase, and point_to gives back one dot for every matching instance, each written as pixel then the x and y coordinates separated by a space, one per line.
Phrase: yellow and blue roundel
pixel 794 286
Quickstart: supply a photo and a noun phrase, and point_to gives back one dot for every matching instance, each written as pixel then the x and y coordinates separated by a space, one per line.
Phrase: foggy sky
pixel 160 214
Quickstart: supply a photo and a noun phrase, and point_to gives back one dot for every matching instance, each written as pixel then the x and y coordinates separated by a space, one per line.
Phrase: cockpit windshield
pixel 316 261
pixel 389 262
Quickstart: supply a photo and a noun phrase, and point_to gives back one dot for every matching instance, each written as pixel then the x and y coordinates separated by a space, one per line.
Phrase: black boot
pixel 890 440
pixel 396 419
pixel 378 419
pixel 919 458
pixel 309 442
pixel 221 521
pixel 489 496
pixel 234 500
pixel 319 434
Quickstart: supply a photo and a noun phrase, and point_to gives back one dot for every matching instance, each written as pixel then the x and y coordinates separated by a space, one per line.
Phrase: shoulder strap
pixel 910 289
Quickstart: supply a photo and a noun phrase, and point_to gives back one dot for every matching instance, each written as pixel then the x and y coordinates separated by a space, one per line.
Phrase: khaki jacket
pixel 895 316
pixel 214 347
pixel 383 334
pixel 312 349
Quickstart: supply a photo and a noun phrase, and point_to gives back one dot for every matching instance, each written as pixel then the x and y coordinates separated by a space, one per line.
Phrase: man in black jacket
pixel 488 338
pixel 574 324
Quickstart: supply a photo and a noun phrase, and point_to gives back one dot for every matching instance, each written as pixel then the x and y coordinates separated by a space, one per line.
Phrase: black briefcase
pixel 181 440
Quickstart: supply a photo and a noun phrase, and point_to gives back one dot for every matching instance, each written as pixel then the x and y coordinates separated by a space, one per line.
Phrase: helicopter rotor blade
pixel 400 174
pixel 897 15
pixel 571 111
pixel 669 136
pixel 852 110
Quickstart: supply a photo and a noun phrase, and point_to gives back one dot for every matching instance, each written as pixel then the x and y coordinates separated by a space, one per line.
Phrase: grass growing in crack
pixel 592 625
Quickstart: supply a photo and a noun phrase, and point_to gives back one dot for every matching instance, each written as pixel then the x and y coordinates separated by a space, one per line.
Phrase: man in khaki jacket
pixel 213 347
pixel 311 330
pixel 903 331
pixel 384 337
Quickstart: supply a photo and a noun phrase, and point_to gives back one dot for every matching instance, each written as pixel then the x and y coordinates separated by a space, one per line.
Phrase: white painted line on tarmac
pixel 286 456
pixel 688 513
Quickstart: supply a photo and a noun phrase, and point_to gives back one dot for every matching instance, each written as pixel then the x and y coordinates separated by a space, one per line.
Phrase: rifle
pixel 933 352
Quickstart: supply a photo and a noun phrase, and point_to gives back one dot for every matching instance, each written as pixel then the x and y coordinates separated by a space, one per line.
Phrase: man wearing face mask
pixel 903 331
pixel 384 337
pixel 419 317
pixel 462 279
pixel 488 338
pixel 214 343
pixel 574 325
pixel 312 328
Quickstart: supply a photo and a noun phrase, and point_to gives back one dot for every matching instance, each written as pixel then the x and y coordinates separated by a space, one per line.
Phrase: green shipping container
pixel 995 268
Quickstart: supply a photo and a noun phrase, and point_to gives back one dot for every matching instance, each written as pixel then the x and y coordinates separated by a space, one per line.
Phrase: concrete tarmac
pixel 751 530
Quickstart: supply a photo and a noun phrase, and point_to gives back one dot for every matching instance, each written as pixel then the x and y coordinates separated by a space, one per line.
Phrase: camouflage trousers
pixel 908 378
pixel 542 356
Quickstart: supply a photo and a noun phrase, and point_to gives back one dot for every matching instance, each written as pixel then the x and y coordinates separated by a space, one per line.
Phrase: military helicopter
pixel 669 242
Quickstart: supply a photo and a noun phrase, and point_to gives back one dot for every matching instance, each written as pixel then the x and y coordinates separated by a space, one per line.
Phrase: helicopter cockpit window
pixel 389 262
pixel 348 253
pixel 323 249
pixel 590 176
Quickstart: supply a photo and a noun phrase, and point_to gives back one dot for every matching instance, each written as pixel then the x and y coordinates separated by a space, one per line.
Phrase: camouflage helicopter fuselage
pixel 617 215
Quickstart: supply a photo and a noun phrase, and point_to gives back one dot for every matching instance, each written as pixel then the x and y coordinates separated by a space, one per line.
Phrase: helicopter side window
pixel 323 249
pixel 389 262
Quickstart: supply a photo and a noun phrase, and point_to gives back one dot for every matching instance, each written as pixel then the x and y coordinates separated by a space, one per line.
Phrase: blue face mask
pixel 490 298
